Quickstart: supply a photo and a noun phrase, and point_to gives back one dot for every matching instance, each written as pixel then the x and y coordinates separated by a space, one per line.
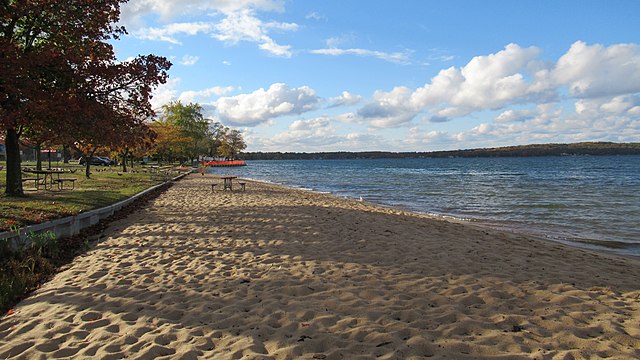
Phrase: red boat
pixel 223 163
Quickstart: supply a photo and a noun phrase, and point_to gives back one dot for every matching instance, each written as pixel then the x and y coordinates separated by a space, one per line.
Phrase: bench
pixel 213 187
pixel 61 182
pixel 35 180
pixel 242 185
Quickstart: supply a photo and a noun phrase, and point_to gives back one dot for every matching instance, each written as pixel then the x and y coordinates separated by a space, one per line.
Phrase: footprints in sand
pixel 193 276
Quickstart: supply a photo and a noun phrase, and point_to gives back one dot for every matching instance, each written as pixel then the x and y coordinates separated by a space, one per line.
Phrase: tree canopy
pixel 184 133
pixel 60 80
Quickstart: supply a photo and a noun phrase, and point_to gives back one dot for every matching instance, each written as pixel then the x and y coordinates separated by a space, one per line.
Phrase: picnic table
pixel 47 178
pixel 228 181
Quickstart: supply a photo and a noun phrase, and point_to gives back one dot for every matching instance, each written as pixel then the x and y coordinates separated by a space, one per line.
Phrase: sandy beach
pixel 278 273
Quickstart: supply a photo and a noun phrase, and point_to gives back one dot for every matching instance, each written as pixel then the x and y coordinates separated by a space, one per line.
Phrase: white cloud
pixel 315 16
pixel 486 82
pixel 592 121
pixel 188 60
pixel 165 93
pixel 245 26
pixel 262 105
pixel 509 116
pixel 317 131
pixel 389 109
pixel 594 71
pixel 169 32
pixel 316 134
pixel 193 96
pixel 396 57
pixel 134 11
pixel 239 21
pixel 514 76
pixel 346 99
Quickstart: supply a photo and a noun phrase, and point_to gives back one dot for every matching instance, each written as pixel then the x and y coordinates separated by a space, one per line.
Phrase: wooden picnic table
pixel 228 181
pixel 47 175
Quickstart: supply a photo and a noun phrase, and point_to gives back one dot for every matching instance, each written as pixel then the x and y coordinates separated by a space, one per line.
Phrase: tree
pixel 192 124
pixel 216 135
pixel 236 142
pixel 169 140
pixel 56 65
pixel 144 137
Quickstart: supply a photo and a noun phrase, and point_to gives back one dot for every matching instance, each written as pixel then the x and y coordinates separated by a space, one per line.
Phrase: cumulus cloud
pixel 317 134
pixel 389 109
pixel 346 99
pixel 262 105
pixel 312 132
pixel 510 116
pixel 595 70
pixel 593 120
pixel 486 82
pixel 514 76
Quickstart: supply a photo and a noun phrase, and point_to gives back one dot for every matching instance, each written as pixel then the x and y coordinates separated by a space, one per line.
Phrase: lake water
pixel 589 201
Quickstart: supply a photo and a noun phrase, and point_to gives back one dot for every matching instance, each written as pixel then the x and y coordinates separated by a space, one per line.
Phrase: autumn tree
pixel 144 137
pixel 56 65
pixel 233 144
pixel 169 140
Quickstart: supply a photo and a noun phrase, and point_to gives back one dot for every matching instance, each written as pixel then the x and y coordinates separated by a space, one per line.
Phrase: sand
pixel 277 273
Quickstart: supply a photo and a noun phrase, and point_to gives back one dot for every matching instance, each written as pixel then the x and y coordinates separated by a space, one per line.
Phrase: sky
pixel 409 75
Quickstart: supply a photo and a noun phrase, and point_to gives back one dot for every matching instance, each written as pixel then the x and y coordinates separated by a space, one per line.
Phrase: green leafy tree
pixel 192 124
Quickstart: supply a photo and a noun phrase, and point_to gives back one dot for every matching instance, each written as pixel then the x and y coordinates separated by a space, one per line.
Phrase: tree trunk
pixel 65 154
pixel 87 169
pixel 124 160
pixel 14 171
pixel 38 150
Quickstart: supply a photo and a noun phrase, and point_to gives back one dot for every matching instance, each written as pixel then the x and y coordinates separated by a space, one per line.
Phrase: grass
pixel 105 187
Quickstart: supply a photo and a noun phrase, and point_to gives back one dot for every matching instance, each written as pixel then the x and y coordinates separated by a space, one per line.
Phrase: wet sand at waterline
pixel 279 273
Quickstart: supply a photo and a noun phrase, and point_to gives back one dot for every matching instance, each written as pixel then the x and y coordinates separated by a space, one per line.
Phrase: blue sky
pixel 398 75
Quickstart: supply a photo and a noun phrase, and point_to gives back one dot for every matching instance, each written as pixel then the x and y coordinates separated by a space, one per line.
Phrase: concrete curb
pixel 72 225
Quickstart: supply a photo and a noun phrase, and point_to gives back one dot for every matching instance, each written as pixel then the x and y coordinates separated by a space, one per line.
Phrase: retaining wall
pixel 72 225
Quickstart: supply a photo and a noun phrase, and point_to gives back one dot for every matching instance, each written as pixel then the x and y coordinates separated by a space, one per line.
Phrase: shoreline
pixel 516 228
pixel 280 273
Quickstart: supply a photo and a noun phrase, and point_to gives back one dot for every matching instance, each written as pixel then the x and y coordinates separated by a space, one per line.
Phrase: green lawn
pixel 106 186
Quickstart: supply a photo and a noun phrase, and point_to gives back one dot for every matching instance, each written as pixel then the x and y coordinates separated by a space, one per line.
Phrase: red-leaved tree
pixel 59 78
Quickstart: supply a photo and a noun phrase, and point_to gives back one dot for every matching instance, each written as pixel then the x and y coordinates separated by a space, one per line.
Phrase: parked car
pixel 98 160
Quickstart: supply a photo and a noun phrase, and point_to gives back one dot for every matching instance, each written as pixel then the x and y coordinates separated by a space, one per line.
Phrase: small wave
pixel 543 206
pixel 610 244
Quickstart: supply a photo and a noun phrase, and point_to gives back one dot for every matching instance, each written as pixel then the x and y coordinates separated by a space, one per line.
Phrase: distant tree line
pixel 584 148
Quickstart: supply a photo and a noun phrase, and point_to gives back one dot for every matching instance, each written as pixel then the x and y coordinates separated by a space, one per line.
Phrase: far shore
pixel 280 273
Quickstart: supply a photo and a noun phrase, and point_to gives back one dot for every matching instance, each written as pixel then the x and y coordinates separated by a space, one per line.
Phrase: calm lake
pixel 588 201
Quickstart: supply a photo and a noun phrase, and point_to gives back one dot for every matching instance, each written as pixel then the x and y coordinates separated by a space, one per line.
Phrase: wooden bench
pixel 213 187
pixel 61 182
pixel 242 185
